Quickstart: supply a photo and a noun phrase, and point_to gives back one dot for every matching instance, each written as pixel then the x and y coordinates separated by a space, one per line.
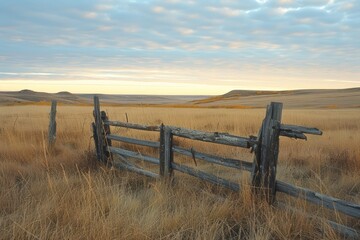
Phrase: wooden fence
pixel 265 148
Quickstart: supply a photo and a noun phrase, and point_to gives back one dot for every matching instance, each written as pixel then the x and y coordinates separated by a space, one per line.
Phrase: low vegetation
pixel 63 193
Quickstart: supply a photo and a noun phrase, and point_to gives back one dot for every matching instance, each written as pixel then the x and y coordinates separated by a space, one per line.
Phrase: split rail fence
pixel 265 148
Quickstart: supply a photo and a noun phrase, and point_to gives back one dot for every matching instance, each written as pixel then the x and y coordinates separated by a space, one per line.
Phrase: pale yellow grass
pixel 64 194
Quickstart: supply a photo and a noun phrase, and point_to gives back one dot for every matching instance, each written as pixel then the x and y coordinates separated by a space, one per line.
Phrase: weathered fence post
pixel 166 152
pixel 266 152
pixel 107 142
pixel 255 172
pixel 162 150
pixel 52 125
pixel 98 131
pixel 169 155
pixel 274 147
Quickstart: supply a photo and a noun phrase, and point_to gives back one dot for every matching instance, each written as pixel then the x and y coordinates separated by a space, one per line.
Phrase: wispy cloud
pixel 312 40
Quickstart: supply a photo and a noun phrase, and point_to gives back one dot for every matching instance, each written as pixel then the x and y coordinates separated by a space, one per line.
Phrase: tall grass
pixel 65 194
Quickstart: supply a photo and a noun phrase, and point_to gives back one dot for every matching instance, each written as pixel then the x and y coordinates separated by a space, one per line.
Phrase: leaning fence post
pixel 98 130
pixel 52 125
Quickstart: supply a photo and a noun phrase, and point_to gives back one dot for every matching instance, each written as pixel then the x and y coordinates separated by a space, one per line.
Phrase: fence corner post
pixel 266 156
pixel 52 125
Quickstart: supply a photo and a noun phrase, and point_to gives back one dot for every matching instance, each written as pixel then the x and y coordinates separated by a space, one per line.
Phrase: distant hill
pixel 306 98
pixel 28 97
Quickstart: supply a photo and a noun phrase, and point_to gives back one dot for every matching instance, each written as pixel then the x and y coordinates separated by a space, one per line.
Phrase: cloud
pixel 89 15
pixel 185 31
pixel 238 36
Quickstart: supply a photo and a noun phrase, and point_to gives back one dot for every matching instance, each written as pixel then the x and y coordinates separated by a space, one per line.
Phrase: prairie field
pixel 63 193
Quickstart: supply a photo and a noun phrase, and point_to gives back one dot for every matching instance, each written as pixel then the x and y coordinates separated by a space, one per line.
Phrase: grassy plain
pixel 64 194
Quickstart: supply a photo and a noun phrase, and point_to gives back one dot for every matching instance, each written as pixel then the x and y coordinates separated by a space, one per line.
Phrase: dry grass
pixel 64 194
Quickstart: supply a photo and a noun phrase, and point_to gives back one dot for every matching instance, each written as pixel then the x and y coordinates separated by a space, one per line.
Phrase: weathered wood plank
pixel 270 149
pixel 350 209
pixel 255 171
pixel 98 156
pixel 52 124
pixel 107 142
pixel 206 176
pixel 291 134
pixel 162 150
pixel 133 126
pixel 227 162
pixel 168 154
pixel 134 141
pixel 345 231
pixel 132 168
pixel 300 129
pixel 265 150
pixel 132 154
pixel 99 129
pixel 274 152
pixel 220 138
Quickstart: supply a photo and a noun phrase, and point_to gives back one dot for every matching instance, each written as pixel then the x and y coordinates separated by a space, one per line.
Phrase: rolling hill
pixel 31 97
pixel 309 98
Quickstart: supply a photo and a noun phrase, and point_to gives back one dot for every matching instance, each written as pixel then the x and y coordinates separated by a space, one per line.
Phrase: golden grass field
pixel 65 194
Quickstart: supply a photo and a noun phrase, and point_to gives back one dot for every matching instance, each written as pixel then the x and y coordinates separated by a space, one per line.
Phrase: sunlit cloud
pixel 90 15
pixel 264 44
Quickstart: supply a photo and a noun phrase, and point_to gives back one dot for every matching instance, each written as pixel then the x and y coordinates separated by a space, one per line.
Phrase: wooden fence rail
pixel 263 168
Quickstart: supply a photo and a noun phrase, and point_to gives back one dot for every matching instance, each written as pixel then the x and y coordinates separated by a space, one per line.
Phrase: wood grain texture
pixel 133 126
pixel 227 162
pixel 168 152
pixel 99 129
pixel 162 150
pixel 220 138
pixel 299 129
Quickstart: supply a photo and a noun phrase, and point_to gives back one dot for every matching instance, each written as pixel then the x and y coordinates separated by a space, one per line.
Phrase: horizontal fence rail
pixel 294 131
pixel 221 138
pixel 347 208
pixel 134 141
pixel 132 154
pixel 206 176
pixel 300 129
pixel 135 169
pixel 133 126
pixel 263 168
pixel 227 162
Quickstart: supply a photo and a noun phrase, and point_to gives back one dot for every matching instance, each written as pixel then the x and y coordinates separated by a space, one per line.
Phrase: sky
pixel 178 46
